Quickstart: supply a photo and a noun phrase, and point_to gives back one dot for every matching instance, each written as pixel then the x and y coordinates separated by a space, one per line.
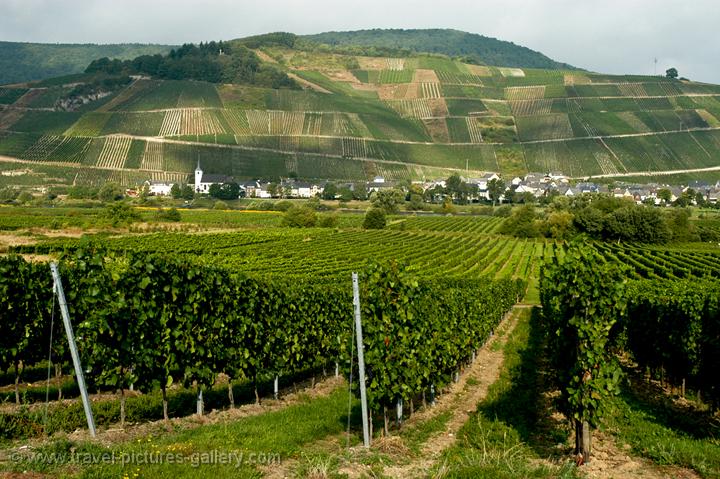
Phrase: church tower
pixel 198 177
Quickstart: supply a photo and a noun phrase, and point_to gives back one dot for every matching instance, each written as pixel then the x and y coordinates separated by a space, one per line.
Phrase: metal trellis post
pixel 73 348
pixel 361 360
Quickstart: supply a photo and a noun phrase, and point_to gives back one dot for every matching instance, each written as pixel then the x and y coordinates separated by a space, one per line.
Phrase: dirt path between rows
pixel 309 84
pixel 462 400
pixel 609 461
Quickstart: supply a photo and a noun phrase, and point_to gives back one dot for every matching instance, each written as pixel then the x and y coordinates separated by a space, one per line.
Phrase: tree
pixel 671 73
pixel 300 217
pixel 360 192
pixel 330 191
pixel 455 186
pixel 583 299
pixel 345 193
pixel 274 190
pixel 496 188
pixel 374 219
pixel 111 192
pixel 388 200
pixel 416 202
pixel 636 224
pixel 176 191
pixel 225 191
pixel 665 195
pixel 187 192
pixel 522 223
pixel 560 225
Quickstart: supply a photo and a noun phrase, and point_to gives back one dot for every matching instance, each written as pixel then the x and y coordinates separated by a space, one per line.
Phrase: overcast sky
pixel 610 36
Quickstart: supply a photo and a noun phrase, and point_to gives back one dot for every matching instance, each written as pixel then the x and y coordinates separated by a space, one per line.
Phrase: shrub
pixel 502 211
pixel 300 217
pixel 111 192
pixel 374 219
pixel 167 215
pixel 119 214
pixel 328 221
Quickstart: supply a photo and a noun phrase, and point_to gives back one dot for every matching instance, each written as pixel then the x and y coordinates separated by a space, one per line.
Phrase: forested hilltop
pixel 21 62
pixel 471 47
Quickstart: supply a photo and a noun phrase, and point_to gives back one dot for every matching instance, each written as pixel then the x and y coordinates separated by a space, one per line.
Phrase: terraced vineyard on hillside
pixel 404 118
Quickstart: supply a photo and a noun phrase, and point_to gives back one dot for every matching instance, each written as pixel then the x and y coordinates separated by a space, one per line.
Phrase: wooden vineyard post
pixel 73 348
pixel 200 403
pixel 361 360
pixel 582 440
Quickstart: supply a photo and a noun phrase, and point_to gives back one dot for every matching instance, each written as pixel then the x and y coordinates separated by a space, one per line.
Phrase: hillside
pixel 357 117
pixel 21 62
pixel 476 48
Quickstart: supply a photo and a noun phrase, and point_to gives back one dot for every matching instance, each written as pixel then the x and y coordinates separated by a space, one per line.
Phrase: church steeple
pixel 198 176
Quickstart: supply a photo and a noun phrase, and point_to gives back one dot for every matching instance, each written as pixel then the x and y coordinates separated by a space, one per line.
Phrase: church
pixel 203 181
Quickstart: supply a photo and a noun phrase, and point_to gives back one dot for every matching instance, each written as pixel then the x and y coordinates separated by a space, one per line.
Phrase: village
pixel 490 187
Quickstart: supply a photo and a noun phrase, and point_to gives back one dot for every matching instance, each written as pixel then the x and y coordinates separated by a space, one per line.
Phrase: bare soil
pixel 342 75
pixel 612 462
pixel 264 56
pixel 479 70
pixel 425 76
pixel 373 63
pixel 308 84
pixel 437 127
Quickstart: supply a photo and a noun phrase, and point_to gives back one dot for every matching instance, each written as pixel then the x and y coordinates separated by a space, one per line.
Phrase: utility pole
pixel 361 360
pixel 73 348
pixel 655 66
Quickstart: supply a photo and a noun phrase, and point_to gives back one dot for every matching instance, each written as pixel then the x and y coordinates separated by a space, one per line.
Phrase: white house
pixel 379 184
pixel 306 190
pixel 203 181
pixel 158 188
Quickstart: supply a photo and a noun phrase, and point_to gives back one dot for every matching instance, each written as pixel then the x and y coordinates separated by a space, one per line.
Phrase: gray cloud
pixel 613 36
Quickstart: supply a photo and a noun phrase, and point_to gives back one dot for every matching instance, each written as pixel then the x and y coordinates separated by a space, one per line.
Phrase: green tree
pixel 300 217
pixel 360 192
pixel 225 191
pixel 274 190
pixel 111 192
pixel 560 224
pixel 176 191
pixel 455 187
pixel 583 298
pixel 521 223
pixel 120 214
pixel 345 193
pixel 187 192
pixel 330 191
pixel 496 188
pixel 388 200
pixel 636 224
pixel 672 73
pixel 416 202
pixel 665 195
pixel 374 219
